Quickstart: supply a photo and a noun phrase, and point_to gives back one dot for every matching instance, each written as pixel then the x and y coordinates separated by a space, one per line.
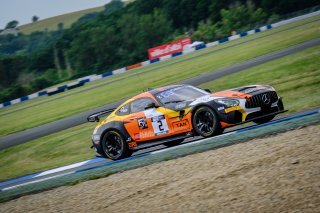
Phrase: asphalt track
pixel 46 129
pixel 102 162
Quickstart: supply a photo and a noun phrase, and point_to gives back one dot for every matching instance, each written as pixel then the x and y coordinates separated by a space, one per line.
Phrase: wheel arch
pixel 196 107
pixel 125 151
pixel 115 126
pixel 211 106
pixel 202 105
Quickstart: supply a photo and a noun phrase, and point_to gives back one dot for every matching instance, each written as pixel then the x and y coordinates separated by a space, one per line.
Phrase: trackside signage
pixel 168 49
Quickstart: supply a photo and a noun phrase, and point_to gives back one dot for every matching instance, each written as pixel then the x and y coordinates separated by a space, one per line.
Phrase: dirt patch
pixel 276 174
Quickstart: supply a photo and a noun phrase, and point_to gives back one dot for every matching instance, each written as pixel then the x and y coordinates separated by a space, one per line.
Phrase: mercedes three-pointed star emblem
pixel 265 99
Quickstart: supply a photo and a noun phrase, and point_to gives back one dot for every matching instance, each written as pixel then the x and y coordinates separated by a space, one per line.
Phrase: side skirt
pixel 148 144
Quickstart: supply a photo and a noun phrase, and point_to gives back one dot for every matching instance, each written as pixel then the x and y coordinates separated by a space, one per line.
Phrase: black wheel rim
pixel 113 145
pixel 205 122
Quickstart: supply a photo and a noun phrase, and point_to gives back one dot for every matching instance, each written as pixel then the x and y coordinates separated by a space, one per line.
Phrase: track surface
pixel 101 162
pixel 34 133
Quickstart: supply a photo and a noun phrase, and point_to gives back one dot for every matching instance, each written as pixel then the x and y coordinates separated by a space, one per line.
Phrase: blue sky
pixel 23 10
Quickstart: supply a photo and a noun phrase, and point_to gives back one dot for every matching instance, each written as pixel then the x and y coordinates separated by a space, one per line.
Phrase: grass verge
pixel 208 60
pixel 61 148
pixel 296 77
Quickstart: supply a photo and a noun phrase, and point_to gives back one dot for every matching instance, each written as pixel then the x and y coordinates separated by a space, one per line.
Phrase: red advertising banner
pixel 168 49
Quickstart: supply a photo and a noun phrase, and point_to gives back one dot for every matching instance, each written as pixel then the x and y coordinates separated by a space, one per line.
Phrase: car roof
pixel 156 90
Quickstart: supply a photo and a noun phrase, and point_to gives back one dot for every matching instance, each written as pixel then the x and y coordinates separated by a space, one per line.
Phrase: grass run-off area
pixel 47 109
pixel 296 78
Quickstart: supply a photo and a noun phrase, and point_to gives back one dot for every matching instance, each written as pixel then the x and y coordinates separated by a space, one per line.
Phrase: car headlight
pixel 228 102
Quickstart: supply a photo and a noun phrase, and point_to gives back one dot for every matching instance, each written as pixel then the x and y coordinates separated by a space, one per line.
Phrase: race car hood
pixel 243 92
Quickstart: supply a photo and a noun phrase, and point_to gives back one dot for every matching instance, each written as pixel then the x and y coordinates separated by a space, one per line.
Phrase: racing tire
pixel 219 131
pixel 173 143
pixel 205 122
pixel 114 146
pixel 264 119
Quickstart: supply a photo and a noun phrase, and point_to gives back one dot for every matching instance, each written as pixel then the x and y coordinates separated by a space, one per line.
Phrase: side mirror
pixel 208 90
pixel 151 105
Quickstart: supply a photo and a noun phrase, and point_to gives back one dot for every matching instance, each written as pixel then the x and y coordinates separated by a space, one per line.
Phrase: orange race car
pixel 170 114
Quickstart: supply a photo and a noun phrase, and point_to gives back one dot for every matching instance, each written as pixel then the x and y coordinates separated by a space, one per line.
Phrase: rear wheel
pixel 205 122
pixel 173 143
pixel 114 146
pixel 264 119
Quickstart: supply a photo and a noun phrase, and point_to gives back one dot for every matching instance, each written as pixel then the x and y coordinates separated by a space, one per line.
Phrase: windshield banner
pixel 168 49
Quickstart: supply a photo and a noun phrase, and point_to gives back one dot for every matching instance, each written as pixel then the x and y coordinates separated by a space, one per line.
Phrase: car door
pixel 146 124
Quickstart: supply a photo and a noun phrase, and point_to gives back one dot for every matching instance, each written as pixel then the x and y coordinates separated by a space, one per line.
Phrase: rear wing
pixel 95 117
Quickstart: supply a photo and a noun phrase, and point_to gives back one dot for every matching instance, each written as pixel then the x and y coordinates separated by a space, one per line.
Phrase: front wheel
pixel 114 146
pixel 205 122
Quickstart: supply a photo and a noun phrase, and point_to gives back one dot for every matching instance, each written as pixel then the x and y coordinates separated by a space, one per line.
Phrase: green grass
pixel 163 73
pixel 61 148
pixel 296 77
pixel 50 24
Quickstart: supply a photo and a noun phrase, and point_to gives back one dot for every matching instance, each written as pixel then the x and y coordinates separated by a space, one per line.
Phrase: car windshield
pixel 180 94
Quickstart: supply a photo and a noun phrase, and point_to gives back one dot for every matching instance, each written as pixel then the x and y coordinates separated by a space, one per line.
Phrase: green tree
pixel 113 6
pixel 241 17
pixel 206 33
pixel 35 18
pixel 12 24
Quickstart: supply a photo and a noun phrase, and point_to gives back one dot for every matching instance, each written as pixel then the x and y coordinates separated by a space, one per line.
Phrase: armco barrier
pixel 91 78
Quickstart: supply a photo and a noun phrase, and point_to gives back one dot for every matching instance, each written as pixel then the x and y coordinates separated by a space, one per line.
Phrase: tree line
pixel 120 36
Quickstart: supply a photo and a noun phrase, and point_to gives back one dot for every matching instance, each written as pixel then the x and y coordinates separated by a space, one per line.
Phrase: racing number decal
pixel 159 125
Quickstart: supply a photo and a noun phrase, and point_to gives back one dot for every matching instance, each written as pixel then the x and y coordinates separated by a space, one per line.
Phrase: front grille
pixel 262 100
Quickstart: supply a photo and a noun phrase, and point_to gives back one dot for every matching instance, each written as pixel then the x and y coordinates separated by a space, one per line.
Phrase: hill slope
pixel 51 24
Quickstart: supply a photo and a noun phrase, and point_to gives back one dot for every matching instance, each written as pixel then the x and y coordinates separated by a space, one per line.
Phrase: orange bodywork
pixel 168 123
pixel 158 122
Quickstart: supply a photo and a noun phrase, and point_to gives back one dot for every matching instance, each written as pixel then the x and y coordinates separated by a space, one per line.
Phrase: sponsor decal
pixel 129 139
pixel 132 144
pixel 142 123
pixel 165 94
pixel 221 108
pixel 181 105
pixel 137 136
pixel 168 49
pixel 180 125
pixel 124 109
